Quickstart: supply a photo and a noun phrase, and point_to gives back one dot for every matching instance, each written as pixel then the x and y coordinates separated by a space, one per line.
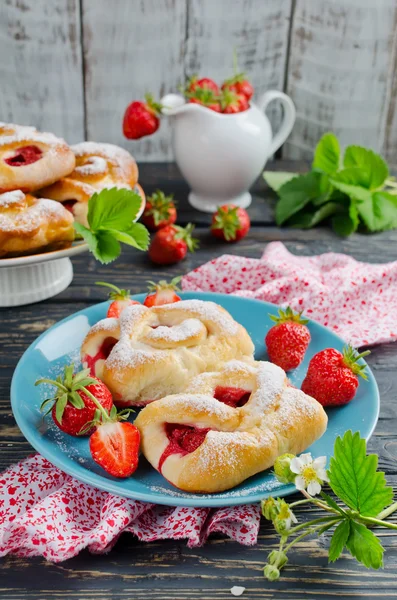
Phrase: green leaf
pixel 354 479
pixel 87 235
pixel 60 407
pixel 338 540
pixel 137 235
pixel 306 220
pixel 296 194
pixel 373 169
pixel 76 400
pixel 346 223
pixel 326 191
pixel 113 208
pixel 327 154
pixel 365 546
pixel 276 179
pixel 353 191
pixel 108 248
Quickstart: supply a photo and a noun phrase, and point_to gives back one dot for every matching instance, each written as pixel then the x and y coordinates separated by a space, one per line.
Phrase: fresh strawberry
pixel 160 211
pixel 240 85
pixel 205 83
pixel 205 97
pixel 120 299
pixel 230 223
pixel 76 400
pixel 141 118
pixel 287 341
pixel 332 376
pixel 163 293
pixel 115 447
pixel 171 243
pixel 231 102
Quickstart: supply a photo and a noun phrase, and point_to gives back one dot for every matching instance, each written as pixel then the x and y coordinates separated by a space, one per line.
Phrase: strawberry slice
pixel 120 300
pixel 115 446
pixel 163 292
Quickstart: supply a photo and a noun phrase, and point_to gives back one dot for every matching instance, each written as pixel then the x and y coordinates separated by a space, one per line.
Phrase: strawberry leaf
pixel 365 546
pixel 60 407
pixel 137 236
pixel 276 179
pixel 113 208
pixel 338 540
pixel 354 479
pixel 327 154
pixel 372 169
pixel 108 248
pixel 296 194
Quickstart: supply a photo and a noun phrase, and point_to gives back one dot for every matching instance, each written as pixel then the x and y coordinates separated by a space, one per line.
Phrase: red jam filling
pixel 234 397
pixel 102 354
pixel 68 204
pixel 183 440
pixel 24 156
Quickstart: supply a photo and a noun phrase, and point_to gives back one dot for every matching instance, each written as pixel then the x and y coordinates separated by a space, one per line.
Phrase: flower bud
pixel 277 558
pixel 282 469
pixel 269 509
pixel 271 573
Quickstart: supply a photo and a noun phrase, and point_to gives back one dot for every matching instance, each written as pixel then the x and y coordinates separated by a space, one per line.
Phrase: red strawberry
pixel 141 118
pixel 230 223
pixel 205 97
pixel 76 400
pixel 205 83
pixel 115 446
pixel 332 376
pixel 231 102
pixel 163 293
pixel 240 85
pixel 120 299
pixel 287 341
pixel 171 243
pixel 160 211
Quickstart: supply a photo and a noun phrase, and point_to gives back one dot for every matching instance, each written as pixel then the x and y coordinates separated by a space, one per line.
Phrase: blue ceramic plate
pixel 60 345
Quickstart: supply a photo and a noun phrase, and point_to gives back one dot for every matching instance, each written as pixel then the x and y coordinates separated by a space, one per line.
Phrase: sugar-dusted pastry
pixel 98 166
pixel 29 224
pixel 228 426
pixel 30 159
pixel 151 352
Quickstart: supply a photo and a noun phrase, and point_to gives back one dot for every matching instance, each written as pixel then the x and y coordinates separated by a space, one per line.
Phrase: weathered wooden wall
pixel 72 66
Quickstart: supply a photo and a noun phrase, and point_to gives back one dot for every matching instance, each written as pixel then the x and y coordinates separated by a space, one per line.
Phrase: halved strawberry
pixel 163 292
pixel 115 447
pixel 76 400
pixel 120 299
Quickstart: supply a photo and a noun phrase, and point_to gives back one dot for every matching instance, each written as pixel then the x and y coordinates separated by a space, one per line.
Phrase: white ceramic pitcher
pixel 221 155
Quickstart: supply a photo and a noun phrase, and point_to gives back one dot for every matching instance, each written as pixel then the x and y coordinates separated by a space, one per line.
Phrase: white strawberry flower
pixel 310 474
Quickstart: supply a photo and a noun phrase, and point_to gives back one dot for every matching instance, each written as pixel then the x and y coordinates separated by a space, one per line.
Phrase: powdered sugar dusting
pixel 108 151
pixel 35 215
pixel 23 135
pixel 207 311
pixel 95 165
pixel 271 381
pixel 9 198
pixel 178 333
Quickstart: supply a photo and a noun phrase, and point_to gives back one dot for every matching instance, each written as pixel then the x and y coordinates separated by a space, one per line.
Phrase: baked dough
pixel 29 224
pixel 200 444
pixel 98 166
pixel 151 352
pixel 30 160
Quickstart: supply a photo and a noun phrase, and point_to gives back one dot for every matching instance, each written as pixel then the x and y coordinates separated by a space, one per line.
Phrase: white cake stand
pixel 28 279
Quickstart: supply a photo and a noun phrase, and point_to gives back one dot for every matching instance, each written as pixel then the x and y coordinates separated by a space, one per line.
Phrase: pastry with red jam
pixel 228 426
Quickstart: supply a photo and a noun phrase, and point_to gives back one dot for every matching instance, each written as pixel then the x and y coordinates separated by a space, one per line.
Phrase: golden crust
pixel 160 349
pixel 98 166
pixel 243 441
pixel 56 160
pixel 29 224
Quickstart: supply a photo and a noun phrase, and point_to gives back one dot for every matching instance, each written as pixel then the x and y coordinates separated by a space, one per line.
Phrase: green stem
pixel 108 285
pixel 299 502
pixel 105 414
pixel 52 382
pixel 387 512
pixel 378 522
pixel 308 532
pixel 321 520
pixel 318 502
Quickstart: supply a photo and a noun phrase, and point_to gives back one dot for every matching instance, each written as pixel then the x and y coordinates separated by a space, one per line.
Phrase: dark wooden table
pixel 169 570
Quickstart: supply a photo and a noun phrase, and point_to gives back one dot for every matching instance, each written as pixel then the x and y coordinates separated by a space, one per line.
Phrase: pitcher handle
pixel 288 117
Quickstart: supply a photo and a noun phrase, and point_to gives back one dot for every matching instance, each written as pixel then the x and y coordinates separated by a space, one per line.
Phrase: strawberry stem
pixel 116 293
pixel 350 358
pixel 164 285
pixel 285 315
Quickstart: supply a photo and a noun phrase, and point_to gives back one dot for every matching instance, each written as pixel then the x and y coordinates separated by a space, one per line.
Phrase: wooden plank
pixel 390 131
pixel 41 66
pixel 341 56
pixel 257 29
pixel 131 48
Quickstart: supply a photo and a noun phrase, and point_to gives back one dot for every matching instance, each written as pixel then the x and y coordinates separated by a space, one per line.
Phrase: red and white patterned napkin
pixel 46 512
pixel 357 300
